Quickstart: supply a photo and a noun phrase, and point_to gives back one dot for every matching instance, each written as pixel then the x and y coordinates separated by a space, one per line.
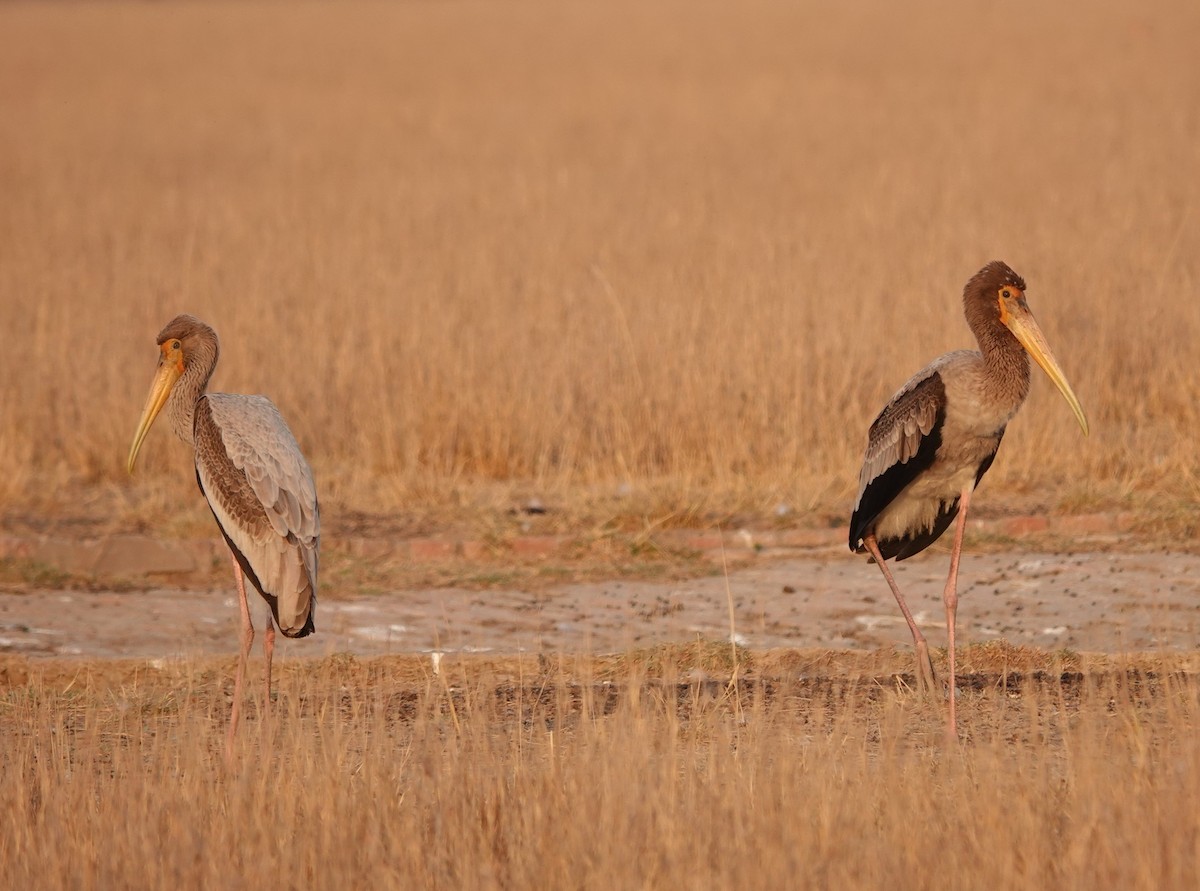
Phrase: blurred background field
pixel 643 262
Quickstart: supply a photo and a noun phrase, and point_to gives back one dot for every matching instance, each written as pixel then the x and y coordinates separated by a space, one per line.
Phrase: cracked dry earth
pixel 1100 602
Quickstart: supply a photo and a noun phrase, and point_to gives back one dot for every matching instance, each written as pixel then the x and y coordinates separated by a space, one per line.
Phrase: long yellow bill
pixel 1023 326
pixel 160 389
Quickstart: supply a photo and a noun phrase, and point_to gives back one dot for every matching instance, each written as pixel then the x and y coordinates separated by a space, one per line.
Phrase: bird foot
pixel 926 679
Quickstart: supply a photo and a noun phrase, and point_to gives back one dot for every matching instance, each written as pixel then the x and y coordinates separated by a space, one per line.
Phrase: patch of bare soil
pixel 1107 602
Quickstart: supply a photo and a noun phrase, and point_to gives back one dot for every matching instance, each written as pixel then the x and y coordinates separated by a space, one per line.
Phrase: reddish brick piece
pixel 703 541
pixel 473 550
pixel 11 546
pixel 1018 526
pixel 430 549
pixel 370 548
pixel 537 545
pixel 1086 524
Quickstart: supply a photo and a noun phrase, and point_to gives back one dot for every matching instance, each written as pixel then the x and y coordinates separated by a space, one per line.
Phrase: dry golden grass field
pixel 657 265
pixel 631 772
pixel 638 259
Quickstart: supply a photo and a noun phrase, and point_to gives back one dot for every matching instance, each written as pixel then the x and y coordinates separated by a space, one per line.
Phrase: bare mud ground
pixel 1099 602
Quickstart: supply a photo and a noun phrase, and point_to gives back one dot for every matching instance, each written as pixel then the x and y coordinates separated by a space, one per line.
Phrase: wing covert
pixel 262 493
pixel 902 442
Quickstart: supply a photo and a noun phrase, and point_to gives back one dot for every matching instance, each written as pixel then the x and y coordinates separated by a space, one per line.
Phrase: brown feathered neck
pixel 200 352
pixel 1007 361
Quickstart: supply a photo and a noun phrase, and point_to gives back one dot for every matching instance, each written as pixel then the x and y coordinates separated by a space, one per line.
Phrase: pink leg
pixel 925 678
pixel 268 652
pixel 950 598
pixel 247 638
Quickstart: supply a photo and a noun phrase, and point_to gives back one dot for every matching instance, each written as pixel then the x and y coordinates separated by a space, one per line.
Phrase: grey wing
pixel 279 534
pixel 902 442
pixel 896 433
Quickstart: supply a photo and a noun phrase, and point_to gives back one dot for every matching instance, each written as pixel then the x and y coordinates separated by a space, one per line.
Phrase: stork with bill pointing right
pixel 937 437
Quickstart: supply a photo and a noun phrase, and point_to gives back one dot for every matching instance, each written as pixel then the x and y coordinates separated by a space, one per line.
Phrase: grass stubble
pixel 575 773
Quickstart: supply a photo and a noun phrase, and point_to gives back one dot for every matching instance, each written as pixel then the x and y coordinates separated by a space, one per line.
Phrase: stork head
pixel 994 299
pixel 184 343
